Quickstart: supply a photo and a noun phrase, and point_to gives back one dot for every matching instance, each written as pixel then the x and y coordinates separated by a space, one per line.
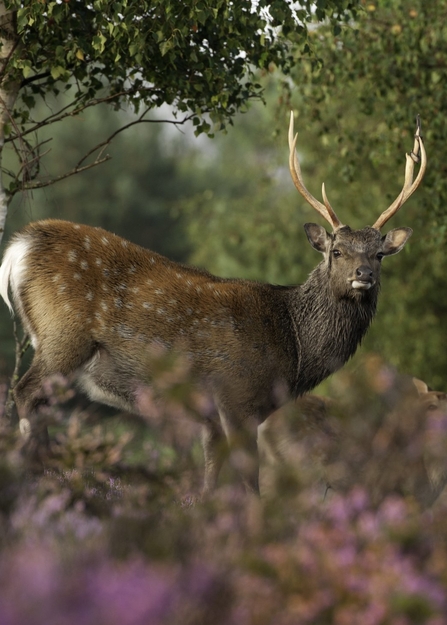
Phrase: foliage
pixel 198 58
pixel 373 80
pixel 99 537
pixel 149 53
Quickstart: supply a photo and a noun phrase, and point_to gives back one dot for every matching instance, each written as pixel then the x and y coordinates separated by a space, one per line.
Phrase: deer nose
pixel 364 273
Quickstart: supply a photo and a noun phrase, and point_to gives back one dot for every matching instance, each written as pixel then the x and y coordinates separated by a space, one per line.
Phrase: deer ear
pixel 318 237
pixel 421 386
pixel 394 241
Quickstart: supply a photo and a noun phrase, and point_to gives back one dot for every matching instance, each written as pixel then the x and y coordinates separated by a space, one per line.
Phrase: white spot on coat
pixel 124 331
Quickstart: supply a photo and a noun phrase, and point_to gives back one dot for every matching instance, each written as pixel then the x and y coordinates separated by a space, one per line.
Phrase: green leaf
pixel 57 71
pixel 99 42
pixel 166 46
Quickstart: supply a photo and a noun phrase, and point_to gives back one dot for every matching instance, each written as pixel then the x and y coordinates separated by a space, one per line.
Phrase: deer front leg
pixel 243 445
pixel 215 450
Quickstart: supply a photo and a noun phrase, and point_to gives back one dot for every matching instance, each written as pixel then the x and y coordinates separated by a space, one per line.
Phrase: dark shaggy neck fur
pixel 318 314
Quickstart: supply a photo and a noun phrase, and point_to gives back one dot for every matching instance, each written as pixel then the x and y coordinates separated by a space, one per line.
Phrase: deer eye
pixel 336 253
pixel 380 255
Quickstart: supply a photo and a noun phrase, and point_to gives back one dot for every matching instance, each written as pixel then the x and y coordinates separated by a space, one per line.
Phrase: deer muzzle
pixel 363 278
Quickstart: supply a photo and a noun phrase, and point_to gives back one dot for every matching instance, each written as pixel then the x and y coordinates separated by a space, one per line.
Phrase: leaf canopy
pixel 198 55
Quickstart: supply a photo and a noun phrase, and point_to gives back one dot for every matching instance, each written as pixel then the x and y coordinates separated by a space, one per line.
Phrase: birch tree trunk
pixel 8 94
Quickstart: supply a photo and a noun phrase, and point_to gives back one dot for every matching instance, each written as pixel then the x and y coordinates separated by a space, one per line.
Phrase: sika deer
pixel 93 304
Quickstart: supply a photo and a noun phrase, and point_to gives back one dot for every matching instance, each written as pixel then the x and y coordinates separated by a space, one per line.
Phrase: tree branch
pixel 40 184
pixel 21 348
pixel 140 120
pixel 33 78
pixel 9 90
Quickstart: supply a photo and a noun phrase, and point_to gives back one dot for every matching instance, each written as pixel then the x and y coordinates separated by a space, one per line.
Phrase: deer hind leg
pixel 108 383
pixel 30 395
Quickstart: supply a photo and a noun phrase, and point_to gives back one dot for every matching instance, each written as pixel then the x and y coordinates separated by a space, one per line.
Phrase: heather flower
pixel 38 588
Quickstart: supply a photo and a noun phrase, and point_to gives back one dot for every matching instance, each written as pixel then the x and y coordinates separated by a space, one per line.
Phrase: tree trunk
pixel 8 94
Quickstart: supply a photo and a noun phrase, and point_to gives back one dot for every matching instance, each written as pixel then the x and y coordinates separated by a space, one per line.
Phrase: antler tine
pixel 325 209
pixel 409 186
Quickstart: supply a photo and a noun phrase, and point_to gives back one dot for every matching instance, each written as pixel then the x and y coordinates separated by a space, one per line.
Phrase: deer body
pixel 95 305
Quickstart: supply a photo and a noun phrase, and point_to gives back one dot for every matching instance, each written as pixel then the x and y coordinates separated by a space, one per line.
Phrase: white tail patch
pixel 13 269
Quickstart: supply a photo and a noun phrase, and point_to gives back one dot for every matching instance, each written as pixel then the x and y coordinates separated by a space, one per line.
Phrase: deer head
pixel 366 247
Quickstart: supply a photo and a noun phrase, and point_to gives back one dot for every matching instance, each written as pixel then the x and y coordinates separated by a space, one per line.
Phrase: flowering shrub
pixel 38 587
pixel 110 532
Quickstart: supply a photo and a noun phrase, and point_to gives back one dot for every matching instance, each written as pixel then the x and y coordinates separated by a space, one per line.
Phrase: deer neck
pixel 328 328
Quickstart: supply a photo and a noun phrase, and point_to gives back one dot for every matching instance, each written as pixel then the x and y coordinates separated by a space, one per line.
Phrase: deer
pixel 95 304
pixel 311 441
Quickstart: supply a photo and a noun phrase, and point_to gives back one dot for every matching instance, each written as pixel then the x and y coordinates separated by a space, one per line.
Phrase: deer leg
pixel 105 381
pixel 29 393
pixel 29 396
pixel 242 441
pixel 215 450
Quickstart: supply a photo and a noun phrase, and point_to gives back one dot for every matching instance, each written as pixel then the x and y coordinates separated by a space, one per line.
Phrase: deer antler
pixel 325 209
pixel 409 186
